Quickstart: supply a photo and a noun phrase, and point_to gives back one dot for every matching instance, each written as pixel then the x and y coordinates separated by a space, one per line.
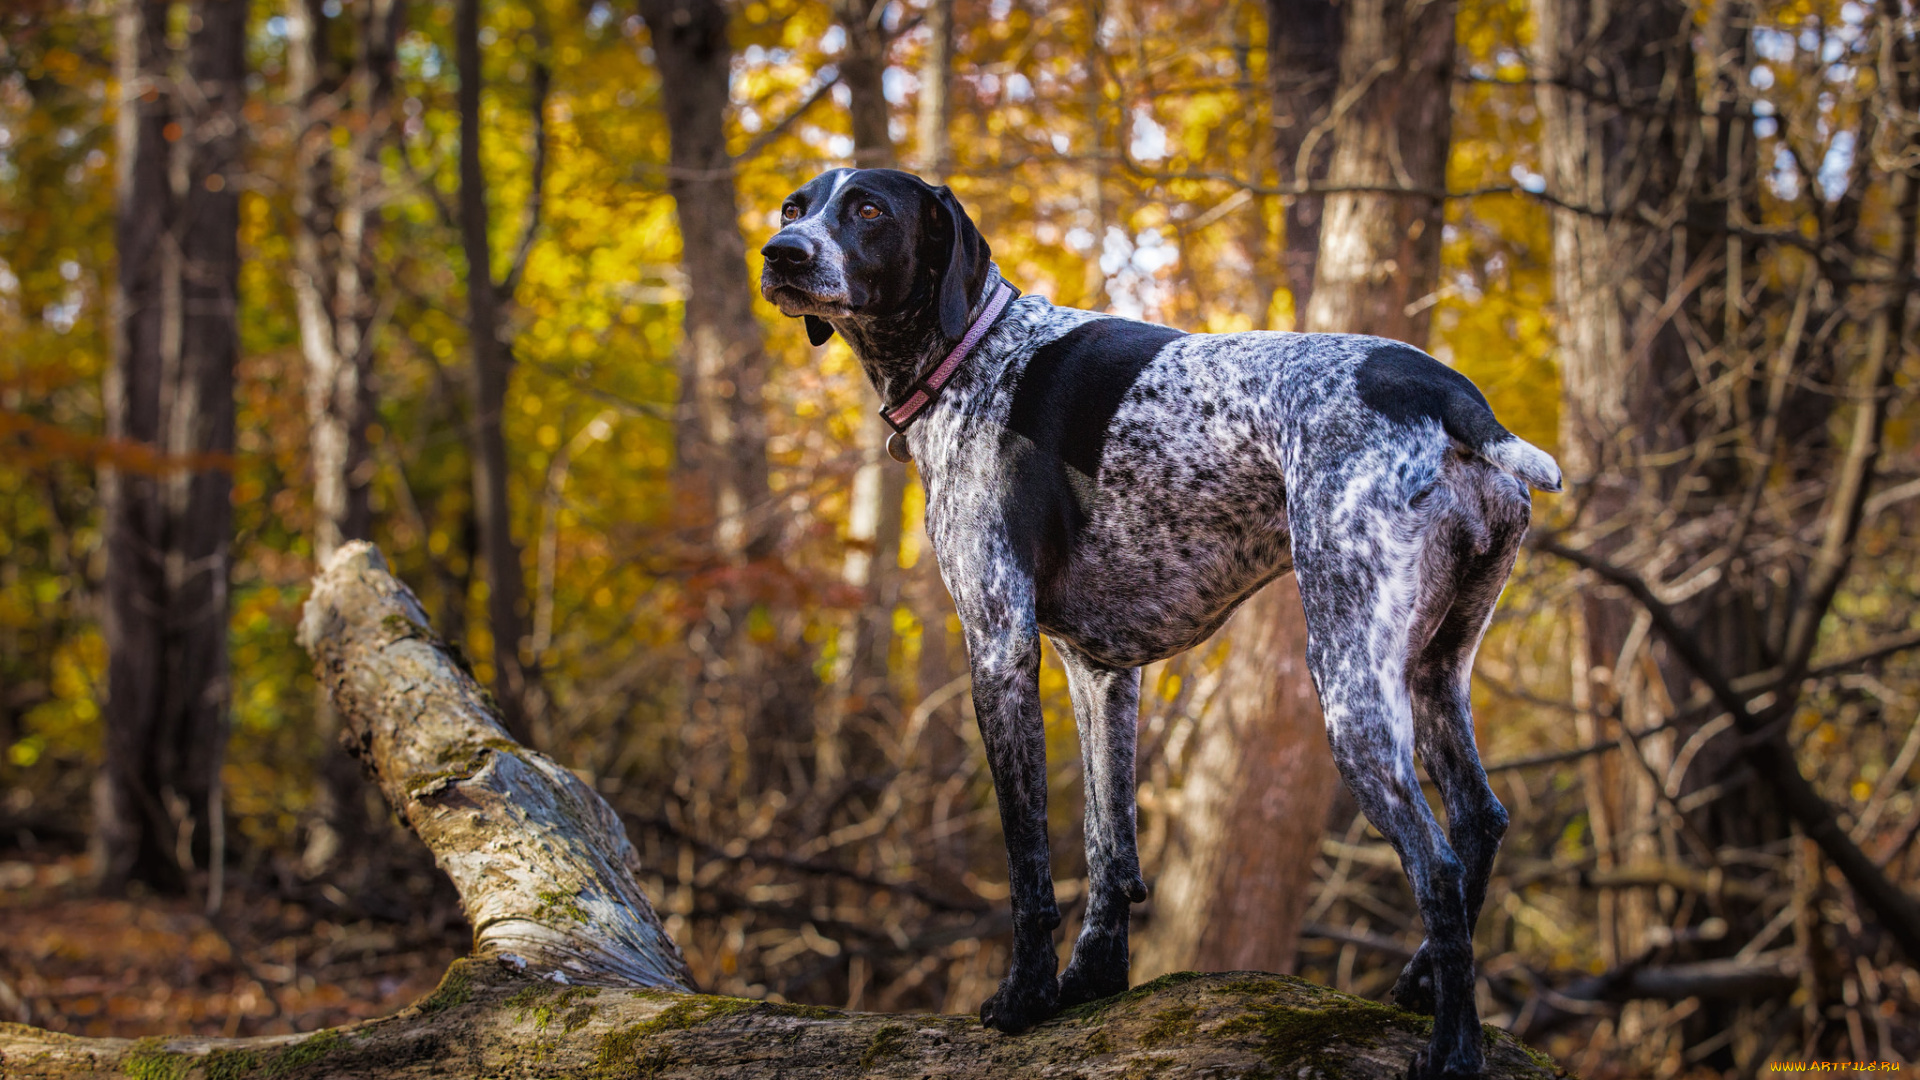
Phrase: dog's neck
pixel 898 349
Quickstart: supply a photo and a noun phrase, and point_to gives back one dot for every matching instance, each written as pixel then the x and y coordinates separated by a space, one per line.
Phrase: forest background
pixel 505 326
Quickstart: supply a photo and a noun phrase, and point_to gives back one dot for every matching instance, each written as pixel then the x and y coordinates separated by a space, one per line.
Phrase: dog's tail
pixel 1406 385
pixel 1524 460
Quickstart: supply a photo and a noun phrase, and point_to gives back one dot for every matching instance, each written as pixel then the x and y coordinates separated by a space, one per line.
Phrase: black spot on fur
pixel 1064 404
pixel 1406 386
pixel 1072 387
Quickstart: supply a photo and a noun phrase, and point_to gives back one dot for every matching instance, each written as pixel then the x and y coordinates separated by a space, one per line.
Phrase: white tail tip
pixel 1524 460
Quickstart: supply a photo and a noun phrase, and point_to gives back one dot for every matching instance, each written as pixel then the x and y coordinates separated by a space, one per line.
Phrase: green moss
pixel 309 1051
pixel 1146 989
pixel 573 1001
pixel 1175 1023
pixel 805 1012
pixel 556 902
pixel 527 997
pixel 1265 984
pixel 887 1042
pixel 456 988
pixel 577 1018
pixel 149 1059
pixel 1294 1035
pixel 617 1047
pixel 1098 1043
pixel 232 1064
pixel 402 628
pixel 578 1003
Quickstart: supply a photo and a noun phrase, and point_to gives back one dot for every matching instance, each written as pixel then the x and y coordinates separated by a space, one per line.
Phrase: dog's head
pixel 874 244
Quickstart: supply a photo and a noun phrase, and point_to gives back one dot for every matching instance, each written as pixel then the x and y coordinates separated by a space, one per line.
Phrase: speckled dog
pixel 1121 487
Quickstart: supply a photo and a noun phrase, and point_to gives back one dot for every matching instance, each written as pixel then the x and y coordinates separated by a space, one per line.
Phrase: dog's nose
pixel 789 251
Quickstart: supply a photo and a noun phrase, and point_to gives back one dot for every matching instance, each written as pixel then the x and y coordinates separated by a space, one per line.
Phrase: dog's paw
pixel 1091 981
pixel 1423 1068
pixel 1413 990
pixel 1021 1003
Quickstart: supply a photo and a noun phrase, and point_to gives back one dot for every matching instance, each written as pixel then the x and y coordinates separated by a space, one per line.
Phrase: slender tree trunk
pixel 1380 253
pixel 741 718
pixel 1238 873
pixel 336 219
pixel 507 613
pixel 936 92
pixel 872 562
pixel 169 401
pixel 862 67
pixel 1303 49
pixel 1094 103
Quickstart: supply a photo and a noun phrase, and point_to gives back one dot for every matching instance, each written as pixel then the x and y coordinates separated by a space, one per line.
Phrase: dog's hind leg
pixel 1359 605
pixel 1106 707
pixel 1440 681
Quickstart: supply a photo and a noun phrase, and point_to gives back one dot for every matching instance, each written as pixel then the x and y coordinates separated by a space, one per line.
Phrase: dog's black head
pixel 873 248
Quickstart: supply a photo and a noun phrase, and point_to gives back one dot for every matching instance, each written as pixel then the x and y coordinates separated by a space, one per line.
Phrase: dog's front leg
pixel 1006 698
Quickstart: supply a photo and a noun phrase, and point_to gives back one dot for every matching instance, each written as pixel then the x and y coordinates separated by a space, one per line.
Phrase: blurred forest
pixel 473 280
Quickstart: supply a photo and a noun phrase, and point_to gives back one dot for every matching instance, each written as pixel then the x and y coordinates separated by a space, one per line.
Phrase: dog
pixel 1121 487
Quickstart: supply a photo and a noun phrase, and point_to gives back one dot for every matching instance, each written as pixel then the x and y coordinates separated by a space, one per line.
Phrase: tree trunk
pixel 741 718
pixel 1604 147
pixel 1303 49
pixel 872 562
pixel 571 973
pixel 935 108
pixel 169 402
pixel 335 218
pixel 507 614
pixel 1380 252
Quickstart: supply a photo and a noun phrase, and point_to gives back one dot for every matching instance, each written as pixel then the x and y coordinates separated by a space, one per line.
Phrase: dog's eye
pixel 868 211
pixel 789 212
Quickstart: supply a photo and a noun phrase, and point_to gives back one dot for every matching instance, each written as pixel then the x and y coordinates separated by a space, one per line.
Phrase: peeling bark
pixel 572 975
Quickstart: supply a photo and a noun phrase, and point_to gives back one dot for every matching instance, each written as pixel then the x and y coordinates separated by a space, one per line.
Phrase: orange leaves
pixel 36 442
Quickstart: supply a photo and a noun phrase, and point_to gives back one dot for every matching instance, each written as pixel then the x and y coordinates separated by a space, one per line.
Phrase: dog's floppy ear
pixel 818 329
pixel 966 266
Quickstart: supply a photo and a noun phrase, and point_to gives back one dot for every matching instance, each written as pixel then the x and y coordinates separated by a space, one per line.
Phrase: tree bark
pixel 1303 49
pixel 336 218
pixel 169 403
pixel 872 562
pixel 741 716
pixel 935 107
pixel 1392 126
pixel 507 614
pixel 571 973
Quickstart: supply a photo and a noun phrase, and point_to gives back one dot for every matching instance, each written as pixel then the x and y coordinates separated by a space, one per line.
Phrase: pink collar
pixel 901 416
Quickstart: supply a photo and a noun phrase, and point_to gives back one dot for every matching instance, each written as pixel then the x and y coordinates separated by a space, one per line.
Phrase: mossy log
pixel 572 974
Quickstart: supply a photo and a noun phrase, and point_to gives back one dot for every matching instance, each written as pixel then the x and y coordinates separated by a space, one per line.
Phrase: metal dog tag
pixel 897 448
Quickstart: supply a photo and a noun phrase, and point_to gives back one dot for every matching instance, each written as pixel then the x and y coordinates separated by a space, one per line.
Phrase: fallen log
pixel 572 974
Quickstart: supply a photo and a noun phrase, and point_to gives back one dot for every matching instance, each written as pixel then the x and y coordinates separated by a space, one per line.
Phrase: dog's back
pixel 1152 479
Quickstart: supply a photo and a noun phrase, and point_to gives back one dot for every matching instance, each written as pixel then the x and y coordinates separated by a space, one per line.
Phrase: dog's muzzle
pixel 795 280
